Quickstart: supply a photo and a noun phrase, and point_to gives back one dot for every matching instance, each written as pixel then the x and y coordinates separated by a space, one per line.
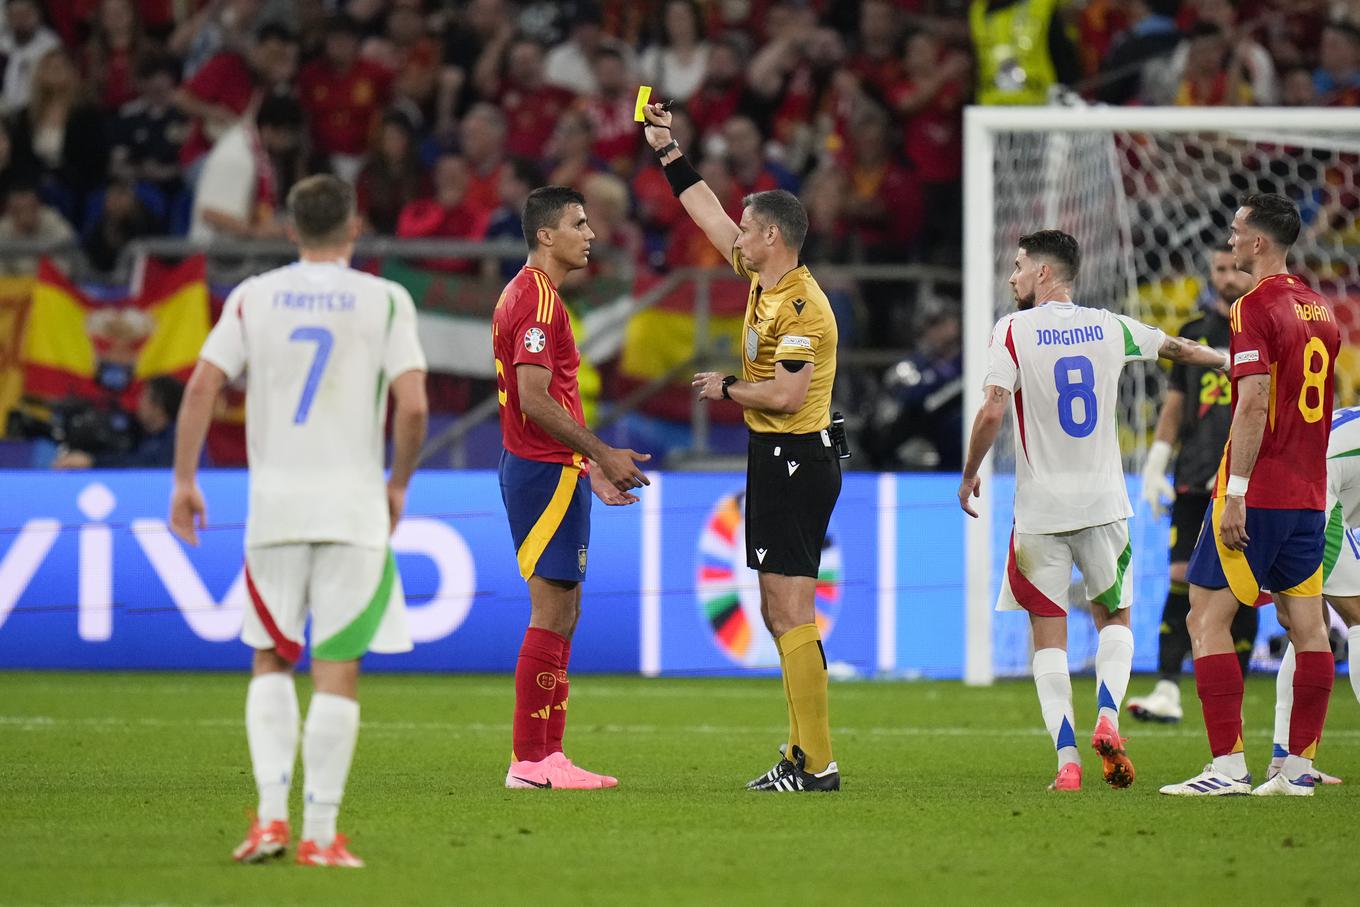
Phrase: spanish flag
pixel 177 300
pixel 160 331
pixel 661 339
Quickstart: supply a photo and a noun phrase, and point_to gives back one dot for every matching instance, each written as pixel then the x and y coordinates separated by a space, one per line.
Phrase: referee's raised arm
pixel 699 201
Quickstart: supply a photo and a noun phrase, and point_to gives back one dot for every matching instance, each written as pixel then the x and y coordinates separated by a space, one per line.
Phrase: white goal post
pixel 1145 191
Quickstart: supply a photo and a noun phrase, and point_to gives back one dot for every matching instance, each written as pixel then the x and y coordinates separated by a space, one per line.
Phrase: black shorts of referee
pixel 792 483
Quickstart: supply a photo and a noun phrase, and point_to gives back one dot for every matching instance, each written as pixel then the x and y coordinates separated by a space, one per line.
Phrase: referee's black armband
pixel 792 365
pixel 680 173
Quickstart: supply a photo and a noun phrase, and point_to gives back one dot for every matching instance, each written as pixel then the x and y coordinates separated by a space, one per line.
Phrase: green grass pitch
pixel 133 788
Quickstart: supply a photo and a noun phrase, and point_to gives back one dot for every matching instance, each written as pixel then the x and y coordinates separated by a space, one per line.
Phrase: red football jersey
pixel 531 326
pixel 1285 330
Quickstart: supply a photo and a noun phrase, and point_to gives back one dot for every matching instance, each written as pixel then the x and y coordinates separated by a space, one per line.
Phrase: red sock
pixel 557 721
pixel 535 684
pixel 1313 674
pixel 1219 681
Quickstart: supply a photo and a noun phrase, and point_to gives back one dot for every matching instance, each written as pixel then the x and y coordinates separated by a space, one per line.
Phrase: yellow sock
pixel 805 676
pixel 788 701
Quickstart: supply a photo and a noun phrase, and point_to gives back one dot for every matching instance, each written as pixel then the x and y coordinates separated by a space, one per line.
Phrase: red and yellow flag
pixel 159 332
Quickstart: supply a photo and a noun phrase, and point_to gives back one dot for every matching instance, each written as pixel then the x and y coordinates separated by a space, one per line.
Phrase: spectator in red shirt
pixel 656 209
pixel 450 214
pixel 482 137
pixel 344 95
pixel 515 79
pixel 569 151
pixel 408 51
pixel 884 209
pixel 111 54
pixel 745 149
pixel 876 61
pixel 217 96
pixel 930 102
pixel 392 177
pixel 723 91
pixel 610 109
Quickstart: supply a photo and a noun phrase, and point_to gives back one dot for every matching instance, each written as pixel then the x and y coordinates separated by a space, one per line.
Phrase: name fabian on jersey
pixel 1069 336
pixel 314 302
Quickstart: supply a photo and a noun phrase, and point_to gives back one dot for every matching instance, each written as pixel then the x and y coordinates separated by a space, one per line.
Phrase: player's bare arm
pixel 1248 427
pixel 619 465
pixel 410 418
pixel 188 512
pixel 986 426
pixel 699 201
pixel 784 393
pixel 1182 349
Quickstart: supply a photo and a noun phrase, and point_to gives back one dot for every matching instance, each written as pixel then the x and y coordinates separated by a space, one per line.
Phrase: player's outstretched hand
pixel 1156 487
pixel 188 513
pixel 1232 527
pixel 607 492
pixel 969 488
pixel 396 506
pixel 619 465
pixel 657 117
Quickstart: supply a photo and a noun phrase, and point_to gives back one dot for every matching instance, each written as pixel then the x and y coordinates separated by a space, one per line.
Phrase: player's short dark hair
pixel 1055 245
pixel 784 210
pixel 166 391
pixel 320 208
pixel 544 207
pixel 1275 216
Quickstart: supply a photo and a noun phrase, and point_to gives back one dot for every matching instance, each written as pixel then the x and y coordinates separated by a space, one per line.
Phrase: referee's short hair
pixel 320 208
pixel 544 207
pixel 784 210
pixel 1058 247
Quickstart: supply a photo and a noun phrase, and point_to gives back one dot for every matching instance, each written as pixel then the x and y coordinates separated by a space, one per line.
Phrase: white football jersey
pixel 1062 363
pixel 320 344
pixel 1343 465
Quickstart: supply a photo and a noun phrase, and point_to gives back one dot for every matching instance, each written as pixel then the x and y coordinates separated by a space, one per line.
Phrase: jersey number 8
pixel 1069 392
pixel 1314 381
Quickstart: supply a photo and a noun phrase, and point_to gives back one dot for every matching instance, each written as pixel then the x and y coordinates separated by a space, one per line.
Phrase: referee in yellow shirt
pixel 793 474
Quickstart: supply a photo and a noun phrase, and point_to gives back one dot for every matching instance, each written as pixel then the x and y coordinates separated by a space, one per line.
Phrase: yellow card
pixel 644 95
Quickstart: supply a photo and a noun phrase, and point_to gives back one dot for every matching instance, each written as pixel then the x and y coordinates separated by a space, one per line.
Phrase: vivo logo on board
pixel 211 619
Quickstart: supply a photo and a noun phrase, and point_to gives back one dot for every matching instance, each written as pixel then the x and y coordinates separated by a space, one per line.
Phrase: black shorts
pixel 792 483
pixel 1187 516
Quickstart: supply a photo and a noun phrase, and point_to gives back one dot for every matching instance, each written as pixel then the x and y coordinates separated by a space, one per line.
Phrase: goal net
pixel 1148 193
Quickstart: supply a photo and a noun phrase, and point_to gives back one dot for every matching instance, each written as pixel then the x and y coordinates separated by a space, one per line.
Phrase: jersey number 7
pixel 324 340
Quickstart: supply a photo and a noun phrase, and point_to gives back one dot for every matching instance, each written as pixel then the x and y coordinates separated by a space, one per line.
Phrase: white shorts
pixel 1039 569
pixel 353 595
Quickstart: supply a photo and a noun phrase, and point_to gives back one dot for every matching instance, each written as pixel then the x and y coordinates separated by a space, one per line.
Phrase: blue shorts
pixel 1284 554
pixel 549 509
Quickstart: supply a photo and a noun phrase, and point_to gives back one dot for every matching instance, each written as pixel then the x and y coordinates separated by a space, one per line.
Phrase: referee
pixel 1198 414
pixel 793 474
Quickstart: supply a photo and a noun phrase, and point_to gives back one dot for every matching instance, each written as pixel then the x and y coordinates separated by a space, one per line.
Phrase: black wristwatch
pixel 727 383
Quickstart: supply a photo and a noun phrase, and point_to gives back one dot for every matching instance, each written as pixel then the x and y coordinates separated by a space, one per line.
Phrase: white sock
pixel 1114 661
pixel 1054 684
pixel 1234 765
pixel 1284 703
pixel 1295 767
pixel 1353 658
pixel 272 732
pixel 327 750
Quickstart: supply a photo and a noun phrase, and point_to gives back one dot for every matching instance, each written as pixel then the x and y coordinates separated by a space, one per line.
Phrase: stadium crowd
pixel 132 118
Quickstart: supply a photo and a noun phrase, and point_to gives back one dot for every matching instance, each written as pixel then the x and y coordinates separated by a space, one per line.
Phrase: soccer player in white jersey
pixel 1340 574
pixel 1058 364
pixel 321 345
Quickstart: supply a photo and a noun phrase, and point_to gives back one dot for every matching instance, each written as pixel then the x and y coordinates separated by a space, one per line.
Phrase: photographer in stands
pixel 154 430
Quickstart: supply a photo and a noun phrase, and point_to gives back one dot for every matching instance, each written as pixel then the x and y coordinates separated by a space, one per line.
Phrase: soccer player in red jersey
pixel 550 465
pixel 1284 346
